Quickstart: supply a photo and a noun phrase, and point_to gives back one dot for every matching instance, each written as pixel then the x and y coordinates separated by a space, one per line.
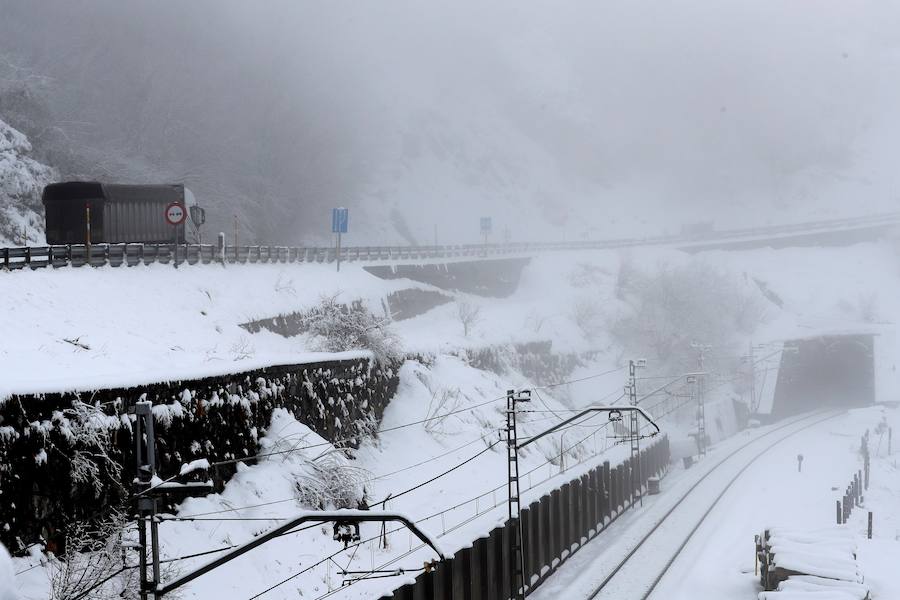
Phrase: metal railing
pixel 34 257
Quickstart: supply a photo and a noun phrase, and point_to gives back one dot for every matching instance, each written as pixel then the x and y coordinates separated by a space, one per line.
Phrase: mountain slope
pixel 21 182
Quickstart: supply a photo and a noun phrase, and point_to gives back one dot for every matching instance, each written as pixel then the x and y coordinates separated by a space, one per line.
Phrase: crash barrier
pixel 34 257
pixel 555 526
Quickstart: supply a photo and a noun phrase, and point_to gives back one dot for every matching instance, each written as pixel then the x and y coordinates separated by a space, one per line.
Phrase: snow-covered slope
pixel 7 591
pixel 186 322
pixel 22 180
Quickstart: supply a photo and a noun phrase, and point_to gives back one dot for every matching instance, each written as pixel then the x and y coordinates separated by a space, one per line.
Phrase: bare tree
pixel 469 315
pixel 665 311
pixel 444 401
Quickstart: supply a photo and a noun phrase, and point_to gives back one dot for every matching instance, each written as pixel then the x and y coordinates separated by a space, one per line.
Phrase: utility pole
pixel 145 452
pixel 517 535
pixel 751 358
pixel 517 557
pixel 631 390
pixel 702 349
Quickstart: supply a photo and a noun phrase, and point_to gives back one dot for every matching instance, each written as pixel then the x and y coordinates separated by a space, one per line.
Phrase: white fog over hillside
pixel 552 119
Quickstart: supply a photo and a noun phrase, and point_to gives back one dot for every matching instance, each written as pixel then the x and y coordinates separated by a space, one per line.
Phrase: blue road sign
pixel 486 225
pixel 340 217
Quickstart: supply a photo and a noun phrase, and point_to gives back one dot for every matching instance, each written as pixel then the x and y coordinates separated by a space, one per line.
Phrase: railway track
pixel 630 573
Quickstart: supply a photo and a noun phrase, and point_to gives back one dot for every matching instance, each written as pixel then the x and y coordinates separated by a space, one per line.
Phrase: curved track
pixel 633 560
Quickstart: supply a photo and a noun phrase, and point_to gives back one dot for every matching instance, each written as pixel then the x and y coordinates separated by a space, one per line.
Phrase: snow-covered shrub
pixel 333 483
pixel 88 430
pixel 338 327
pixel 22 180
pixel 97 561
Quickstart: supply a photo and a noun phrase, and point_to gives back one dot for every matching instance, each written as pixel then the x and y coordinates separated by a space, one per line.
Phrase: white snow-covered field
pixel 117 326
pixel 718 561
pixel 154 323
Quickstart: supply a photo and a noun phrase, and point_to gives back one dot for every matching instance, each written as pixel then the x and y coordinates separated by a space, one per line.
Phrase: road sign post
pixel 340 219
pixel 175 216
pixel 486 227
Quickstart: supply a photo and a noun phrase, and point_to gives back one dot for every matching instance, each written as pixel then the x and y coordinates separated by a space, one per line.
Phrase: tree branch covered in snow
pixel 100 562
pixel 338 327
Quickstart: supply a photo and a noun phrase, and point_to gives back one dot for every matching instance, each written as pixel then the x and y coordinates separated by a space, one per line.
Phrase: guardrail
pixel 96 255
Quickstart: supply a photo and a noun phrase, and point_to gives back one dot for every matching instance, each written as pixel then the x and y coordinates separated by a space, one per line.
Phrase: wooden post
pixel 870 524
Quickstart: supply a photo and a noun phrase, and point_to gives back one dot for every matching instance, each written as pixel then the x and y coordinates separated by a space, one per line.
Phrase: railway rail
pixel 635 558
pixel 35 257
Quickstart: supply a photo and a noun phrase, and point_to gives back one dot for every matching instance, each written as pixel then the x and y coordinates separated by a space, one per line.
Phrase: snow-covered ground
pixel 185 323
pixel 718 561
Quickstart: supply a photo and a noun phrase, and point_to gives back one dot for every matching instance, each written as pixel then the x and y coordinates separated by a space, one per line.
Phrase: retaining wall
pixel 217 418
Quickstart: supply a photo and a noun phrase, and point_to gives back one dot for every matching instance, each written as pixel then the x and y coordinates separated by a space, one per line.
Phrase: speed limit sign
pixel 175 214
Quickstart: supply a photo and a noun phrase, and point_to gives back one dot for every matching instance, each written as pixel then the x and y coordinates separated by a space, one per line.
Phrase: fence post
pixel 592 500
pixel 534 545
pixel 606 485
pixel 495 564
pixel 462 572
pixel 525 517
pixel 870 524
pixel 442 583
pixel 478 568
pixel 556 523
pixel 565 528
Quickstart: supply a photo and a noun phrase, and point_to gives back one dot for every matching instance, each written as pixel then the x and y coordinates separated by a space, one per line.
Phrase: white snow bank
pixel 6 576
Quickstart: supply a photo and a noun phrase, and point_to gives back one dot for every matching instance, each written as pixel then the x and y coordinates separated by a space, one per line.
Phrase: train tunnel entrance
pixel 835 371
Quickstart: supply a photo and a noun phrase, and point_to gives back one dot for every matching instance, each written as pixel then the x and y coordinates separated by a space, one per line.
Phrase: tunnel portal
pixel 834 371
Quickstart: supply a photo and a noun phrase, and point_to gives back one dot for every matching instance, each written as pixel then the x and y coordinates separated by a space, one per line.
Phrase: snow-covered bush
pixel 22 180
pixel 338 327
pixel 97 564
pixel 333 483
pixel 91 464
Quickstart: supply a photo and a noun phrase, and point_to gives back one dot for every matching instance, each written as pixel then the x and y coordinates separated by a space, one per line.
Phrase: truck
pixel 90 212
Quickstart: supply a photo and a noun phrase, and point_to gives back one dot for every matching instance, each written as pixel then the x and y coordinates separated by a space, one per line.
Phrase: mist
pixel 562 121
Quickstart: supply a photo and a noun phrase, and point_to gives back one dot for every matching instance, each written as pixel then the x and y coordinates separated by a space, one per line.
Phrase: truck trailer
pixel 89 212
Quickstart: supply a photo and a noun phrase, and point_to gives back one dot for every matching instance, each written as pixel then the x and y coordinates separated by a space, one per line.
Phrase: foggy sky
pixel 596 118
